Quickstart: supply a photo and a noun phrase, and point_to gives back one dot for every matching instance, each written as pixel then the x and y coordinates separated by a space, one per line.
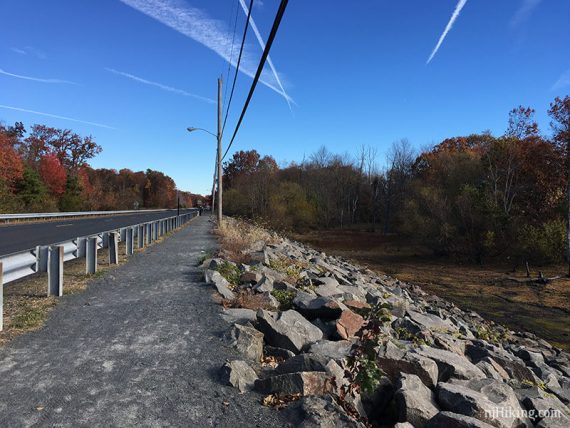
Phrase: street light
pixel 192 129
pixel 218 137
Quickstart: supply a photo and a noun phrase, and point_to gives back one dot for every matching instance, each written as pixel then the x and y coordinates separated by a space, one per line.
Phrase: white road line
pixel 64 225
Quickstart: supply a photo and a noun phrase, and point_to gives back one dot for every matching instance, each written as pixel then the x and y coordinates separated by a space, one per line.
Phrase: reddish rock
pixel 355 304
pixel 348 324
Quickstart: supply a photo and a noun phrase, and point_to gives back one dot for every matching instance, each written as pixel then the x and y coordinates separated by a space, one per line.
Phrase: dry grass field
pixel 541 309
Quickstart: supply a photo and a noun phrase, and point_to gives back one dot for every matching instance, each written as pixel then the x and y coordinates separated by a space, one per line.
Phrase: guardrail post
pixel 129 241
pixel 81 247
pixel 148 233
pixel 91 255
pixel 155 230
pixel 113 248
pixel 105 239
pixel 42 258
pixel 1 297
pixel 55 271
pixel 123 232
pixel 141 235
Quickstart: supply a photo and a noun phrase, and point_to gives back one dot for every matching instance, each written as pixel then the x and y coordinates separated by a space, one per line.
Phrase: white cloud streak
pixel 29 50
pixel 448 27
pixel 563 81
pixel 262 44
pixel 195 24
pixel 55 116
pixel 160 85
pixel 19 51
pixel 523 12
pixel 37 79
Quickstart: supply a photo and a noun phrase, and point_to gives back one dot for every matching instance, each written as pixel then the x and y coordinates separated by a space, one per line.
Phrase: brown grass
pixel 248 300
pixel 543 310
pixel 237 236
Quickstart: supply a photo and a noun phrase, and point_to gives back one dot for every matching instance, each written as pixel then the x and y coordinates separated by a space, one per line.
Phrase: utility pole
pixel 214 182
pixel 219 151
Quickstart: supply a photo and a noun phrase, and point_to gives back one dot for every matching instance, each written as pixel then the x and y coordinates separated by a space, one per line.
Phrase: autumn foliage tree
pixel 53 174
pixel 560 113
pixel 476 197
pixel 46 170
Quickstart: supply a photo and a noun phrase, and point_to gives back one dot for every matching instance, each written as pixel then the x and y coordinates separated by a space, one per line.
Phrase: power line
pixel 237 65
pixel 232 48
pixel 270 39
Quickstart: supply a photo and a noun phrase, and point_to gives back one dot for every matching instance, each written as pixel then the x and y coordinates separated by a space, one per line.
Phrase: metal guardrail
pixel 30 216
pixel 50 258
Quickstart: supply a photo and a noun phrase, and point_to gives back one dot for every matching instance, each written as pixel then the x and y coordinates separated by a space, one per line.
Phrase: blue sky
pixel 354 73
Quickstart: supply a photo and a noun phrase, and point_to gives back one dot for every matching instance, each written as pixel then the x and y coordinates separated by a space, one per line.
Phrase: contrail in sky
pixel 197 25
pixel 160 85
pixel 262 44
pixel 37 79
pixel 454 16
pixel 523 13
pixel 563 81
pixel 100 125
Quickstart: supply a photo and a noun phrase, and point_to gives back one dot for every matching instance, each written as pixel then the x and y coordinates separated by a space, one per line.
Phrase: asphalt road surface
pixel 141 347
pixel 24 236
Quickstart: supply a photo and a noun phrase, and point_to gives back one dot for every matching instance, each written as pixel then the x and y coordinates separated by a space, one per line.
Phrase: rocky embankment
pixel 337 345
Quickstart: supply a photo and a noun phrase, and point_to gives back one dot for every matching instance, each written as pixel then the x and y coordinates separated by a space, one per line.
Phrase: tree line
pixel 46 170
pixel 474 197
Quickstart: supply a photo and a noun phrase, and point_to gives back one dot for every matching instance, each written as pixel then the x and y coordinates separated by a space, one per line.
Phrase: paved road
pixel 23 236
pixel 141 347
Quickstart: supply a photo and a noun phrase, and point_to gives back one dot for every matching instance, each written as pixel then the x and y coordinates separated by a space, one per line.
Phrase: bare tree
pixel 400 160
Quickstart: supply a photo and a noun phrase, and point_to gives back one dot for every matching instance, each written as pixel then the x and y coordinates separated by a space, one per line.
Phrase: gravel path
pixel 141 347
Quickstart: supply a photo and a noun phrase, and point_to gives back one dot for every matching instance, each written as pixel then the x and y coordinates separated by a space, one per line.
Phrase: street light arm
pixel 192 129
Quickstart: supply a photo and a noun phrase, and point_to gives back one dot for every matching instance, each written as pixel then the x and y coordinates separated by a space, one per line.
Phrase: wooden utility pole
pixel 219 151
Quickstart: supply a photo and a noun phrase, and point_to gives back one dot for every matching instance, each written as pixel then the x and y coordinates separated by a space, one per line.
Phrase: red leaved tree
pixel 53 174
pixel 11 166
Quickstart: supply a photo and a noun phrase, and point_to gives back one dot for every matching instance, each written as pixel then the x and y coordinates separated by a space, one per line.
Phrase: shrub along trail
pixel 140 347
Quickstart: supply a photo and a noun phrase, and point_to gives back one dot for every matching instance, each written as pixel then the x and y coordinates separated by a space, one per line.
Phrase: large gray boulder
pixel 455 420
pixel 247 340
pixel 288 330
pixel 265 284
pixel 238 315
pixel 432 322
pixel 335 350
pixel 545 410
pixel 495 403
pixel 303 363
pixel 451 365
pixel 239 375
pixel 412 363
pixel 220 283
pixel 415 401
pixel 319 412
pixel 317 307
pixel 328 287
pixel 304 383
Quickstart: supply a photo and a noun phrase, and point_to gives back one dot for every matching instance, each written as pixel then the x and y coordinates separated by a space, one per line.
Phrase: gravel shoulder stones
pixel 141 346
